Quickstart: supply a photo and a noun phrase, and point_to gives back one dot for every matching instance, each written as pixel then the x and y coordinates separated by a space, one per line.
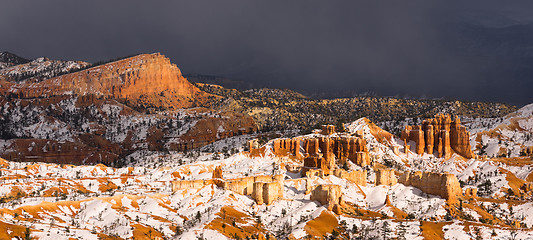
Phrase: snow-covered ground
pixel 88 202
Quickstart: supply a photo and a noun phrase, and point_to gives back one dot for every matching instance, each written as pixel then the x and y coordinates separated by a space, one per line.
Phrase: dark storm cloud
pixel 420 48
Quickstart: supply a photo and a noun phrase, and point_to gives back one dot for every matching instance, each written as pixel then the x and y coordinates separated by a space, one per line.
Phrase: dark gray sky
pixel 469 50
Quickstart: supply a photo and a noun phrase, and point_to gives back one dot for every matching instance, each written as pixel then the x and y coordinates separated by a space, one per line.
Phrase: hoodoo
pixel 439 135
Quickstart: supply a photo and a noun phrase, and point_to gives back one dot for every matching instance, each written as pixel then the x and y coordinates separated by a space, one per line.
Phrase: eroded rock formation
pixel 357 176
pixel 386 177
pixel 264 188
pixel 217 173
pixel 445 185
pixel 324 151
pixel 148 80
pixel 471 192
pixel 267 192
pixel 439 135
pixel 191 184
pixel 328 194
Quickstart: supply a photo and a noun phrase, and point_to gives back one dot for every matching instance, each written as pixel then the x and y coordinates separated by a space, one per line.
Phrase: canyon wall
pixel 147 80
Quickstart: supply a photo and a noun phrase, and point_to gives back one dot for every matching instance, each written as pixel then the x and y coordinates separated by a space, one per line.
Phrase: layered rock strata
pixel 445 185
pixel 267 192
pixel 439 135
pixel 263 189
pixel 146 80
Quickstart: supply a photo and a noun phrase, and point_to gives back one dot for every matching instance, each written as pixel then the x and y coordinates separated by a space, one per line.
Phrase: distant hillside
pixel 8 59
pixel 277 109
pixel 105 112
pixel 222 81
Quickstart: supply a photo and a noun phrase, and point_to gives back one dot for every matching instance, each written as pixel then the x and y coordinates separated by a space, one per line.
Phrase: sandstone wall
pixel 287 146
pixel 146 79
pixel 264 189
pixel 386 177
pixel 357 177
pixel 328 194
pixel 267 192
pixel 445 185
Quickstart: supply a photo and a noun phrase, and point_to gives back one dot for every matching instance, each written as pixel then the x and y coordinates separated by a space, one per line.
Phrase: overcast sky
pixel 468 50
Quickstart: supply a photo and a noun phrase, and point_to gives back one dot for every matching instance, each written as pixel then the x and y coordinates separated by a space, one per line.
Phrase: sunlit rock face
pixel 439 135
pixel 147 80
pixel 445 185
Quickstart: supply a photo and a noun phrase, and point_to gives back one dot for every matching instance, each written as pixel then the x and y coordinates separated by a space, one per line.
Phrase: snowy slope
pixel 504 137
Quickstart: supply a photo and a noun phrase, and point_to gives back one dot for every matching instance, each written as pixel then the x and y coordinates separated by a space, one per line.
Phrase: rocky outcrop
pixel 445 185
pixel 324 151
pixel 357 176
pixel 471 192
pixel 328 129
pixel 267 192
pixel 328 194
pixel 439 135
pixel 146 80
pixel 386 177
pixel 217 173
pixel 263 189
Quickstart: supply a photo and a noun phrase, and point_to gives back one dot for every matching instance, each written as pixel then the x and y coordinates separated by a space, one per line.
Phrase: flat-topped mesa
pixel 148 79
pixel 445 185
pixel 439 135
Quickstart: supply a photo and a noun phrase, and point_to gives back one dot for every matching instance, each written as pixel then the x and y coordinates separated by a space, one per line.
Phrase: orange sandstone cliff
pixel 146 80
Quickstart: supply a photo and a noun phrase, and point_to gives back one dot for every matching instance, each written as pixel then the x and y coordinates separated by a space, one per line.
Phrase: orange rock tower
pixel 439 135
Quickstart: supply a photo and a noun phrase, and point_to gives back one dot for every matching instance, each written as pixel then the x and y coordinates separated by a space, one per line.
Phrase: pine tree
pixel 402 231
